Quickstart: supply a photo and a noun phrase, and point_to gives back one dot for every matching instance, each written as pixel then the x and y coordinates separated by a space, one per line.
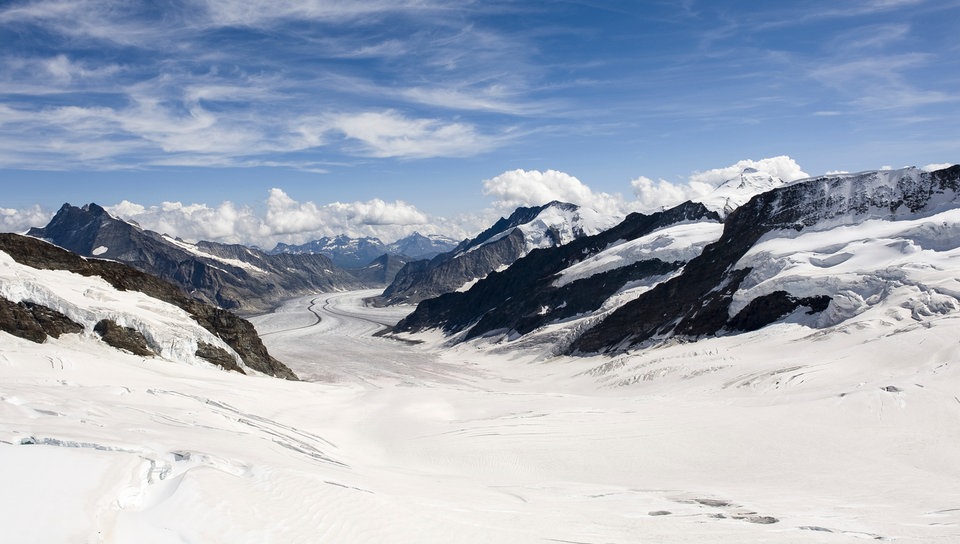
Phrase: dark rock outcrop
pixel 238 333
pixel 125 338
pixel 34 322
pixel 217 356
pixel 234 277
pixel 767 309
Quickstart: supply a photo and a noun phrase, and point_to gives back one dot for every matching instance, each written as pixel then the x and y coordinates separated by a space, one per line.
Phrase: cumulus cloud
pixel 516 188
pixel 14 220
pixel 652 195
pixel 782 167
pixel 285 220
pixel 937 166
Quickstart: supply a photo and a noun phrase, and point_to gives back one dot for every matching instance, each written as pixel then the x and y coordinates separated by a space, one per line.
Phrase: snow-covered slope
pixel 555 224
pixel 736 191
pixel 572 282
pixel 171 333
pixel 679 242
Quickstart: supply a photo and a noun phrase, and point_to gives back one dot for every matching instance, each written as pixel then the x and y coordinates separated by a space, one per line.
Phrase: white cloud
pixel 652 195
pixel 227 222
pixel 782 167
pixel 516 188
pixel 14 220
pixel 285 220
pixel 937 166
pixel 246 13
pixel 390 134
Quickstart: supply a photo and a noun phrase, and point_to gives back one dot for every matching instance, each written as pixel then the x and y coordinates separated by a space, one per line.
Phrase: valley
pixel 788 374
pixel 727 440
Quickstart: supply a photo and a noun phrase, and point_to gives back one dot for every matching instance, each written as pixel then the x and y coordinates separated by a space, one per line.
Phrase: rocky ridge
pixel 234 277
pixel 496 248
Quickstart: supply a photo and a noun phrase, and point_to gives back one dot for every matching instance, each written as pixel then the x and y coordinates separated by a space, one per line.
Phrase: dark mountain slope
pixel 496 247
pixel 523 297
pixel 697 302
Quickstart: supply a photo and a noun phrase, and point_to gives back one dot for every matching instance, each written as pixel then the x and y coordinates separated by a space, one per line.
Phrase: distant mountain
pixel 126 308
pixel 419 246
pixel 342 250
pixel 234 277
pixel 356 253
pixel 381 270
pixel 816 251
pixel 736 191
pixel 498 247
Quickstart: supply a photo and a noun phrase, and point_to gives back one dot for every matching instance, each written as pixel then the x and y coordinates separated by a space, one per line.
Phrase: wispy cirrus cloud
pixel 188 83
pixel 390 134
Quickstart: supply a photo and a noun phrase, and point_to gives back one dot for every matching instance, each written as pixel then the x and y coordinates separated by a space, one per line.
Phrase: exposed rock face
pixel 524 296
pixel 446 273
pixel 230 276
pixel 217 356
pixel 767 309
pixel 125 338
pixel 34 322
pixel 696 303
pixel 495 248
pixel 238 333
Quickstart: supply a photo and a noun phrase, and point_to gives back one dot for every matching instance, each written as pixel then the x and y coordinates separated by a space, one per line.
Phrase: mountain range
pixel 231 276
pixel 495 248
pixel 355 253
pixel 817 251
pixel 744 257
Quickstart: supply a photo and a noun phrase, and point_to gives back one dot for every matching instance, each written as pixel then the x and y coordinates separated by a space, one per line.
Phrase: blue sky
pixel 387 116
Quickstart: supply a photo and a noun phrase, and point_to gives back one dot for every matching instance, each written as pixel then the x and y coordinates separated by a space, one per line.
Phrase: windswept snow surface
pixel 789 434
pixel 913 263
pixel 680 242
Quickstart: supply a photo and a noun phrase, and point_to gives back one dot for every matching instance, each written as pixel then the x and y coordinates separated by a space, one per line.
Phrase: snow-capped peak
pixel 559 223
pixel 736 191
